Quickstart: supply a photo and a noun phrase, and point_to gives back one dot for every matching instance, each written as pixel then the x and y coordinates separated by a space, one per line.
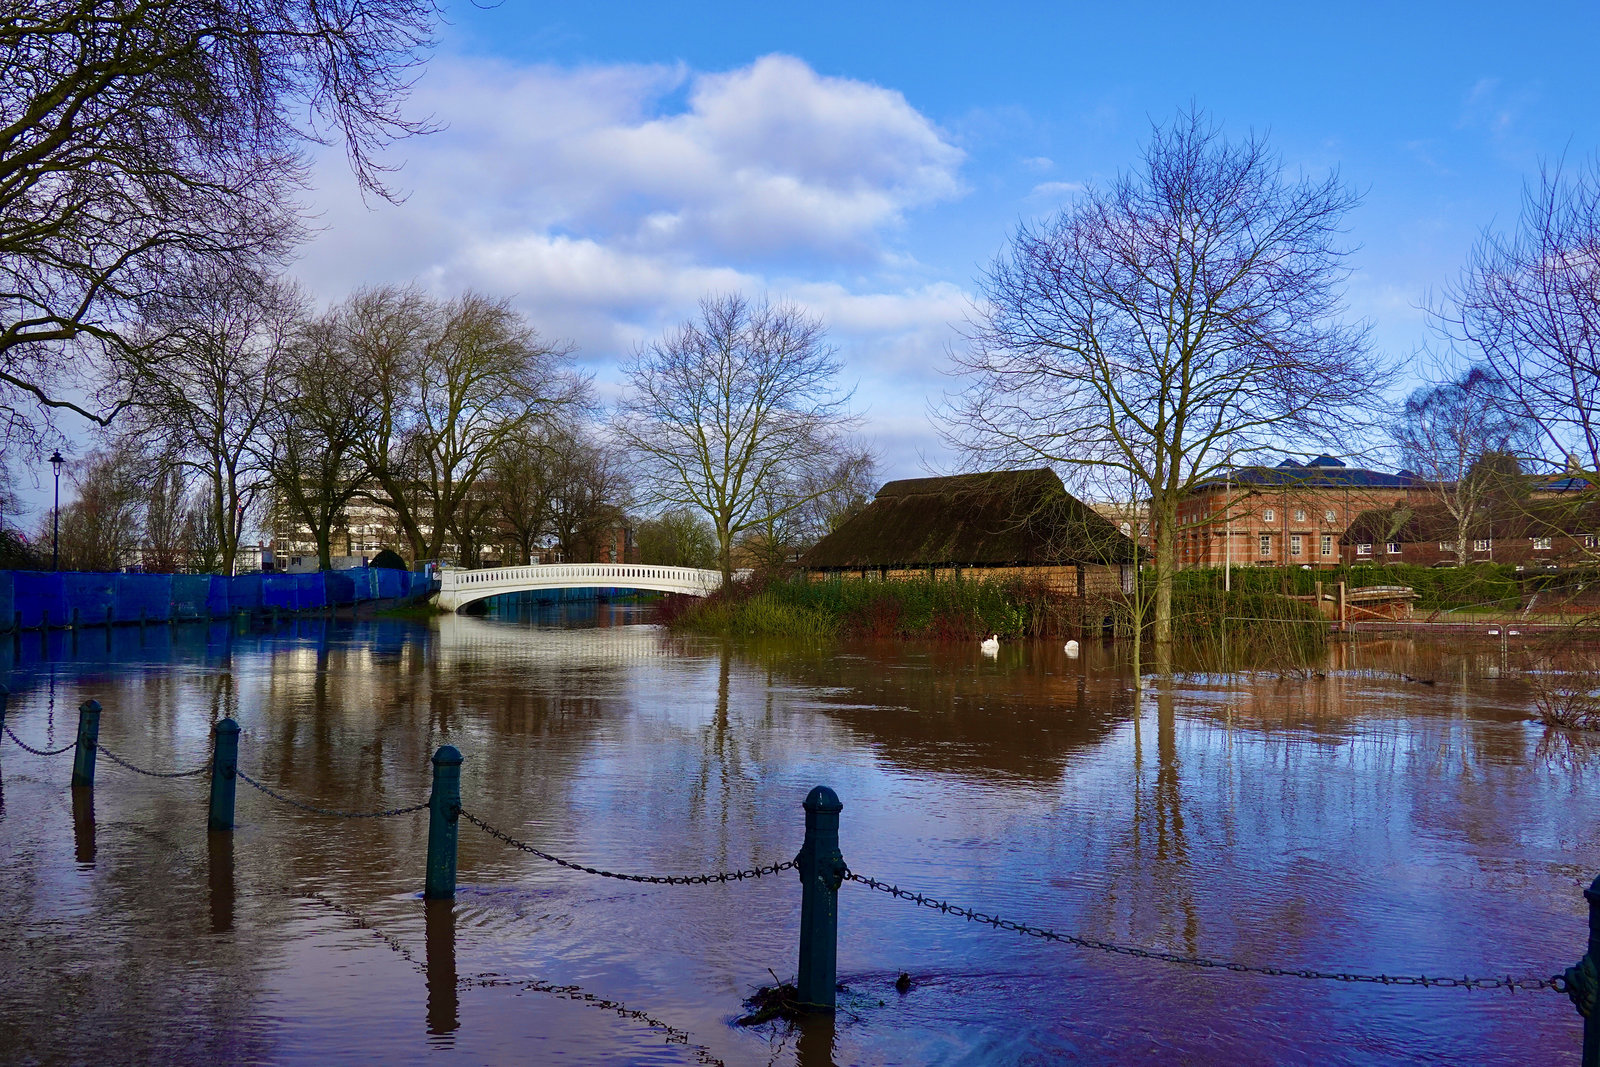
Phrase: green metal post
pixel 822 870
pixel 224 768
pixel 1583 981
pixel 88 744
pixel 444 809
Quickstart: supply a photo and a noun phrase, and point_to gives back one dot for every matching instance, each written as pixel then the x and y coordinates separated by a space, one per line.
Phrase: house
pixel 996 524
pixel 1538 532
pixel 1293 513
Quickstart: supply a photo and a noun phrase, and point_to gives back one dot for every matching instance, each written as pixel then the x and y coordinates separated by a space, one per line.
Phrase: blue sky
pixel 605 165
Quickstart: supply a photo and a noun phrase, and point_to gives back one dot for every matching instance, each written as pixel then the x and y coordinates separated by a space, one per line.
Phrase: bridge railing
pixel 601 573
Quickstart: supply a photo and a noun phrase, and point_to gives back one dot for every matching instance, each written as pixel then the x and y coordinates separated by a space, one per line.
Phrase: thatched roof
pixel 998 519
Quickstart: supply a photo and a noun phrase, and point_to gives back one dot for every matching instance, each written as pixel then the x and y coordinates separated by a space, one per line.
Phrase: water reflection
pixel 219 871
pixel 443 1004
pixel 1354 816
pixel 83 826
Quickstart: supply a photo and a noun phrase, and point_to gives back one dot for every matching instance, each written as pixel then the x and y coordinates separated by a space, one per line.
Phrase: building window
pixel 1299 514
pixel 1327 544
pixel 1330 516
pixel 1392 548
pixel 1541 543
pixel 1481 544
pixel 1591 541
pixel 1447 546
pixel 1363 550
pixel 1266 545
pixel 1268 515
pixel 1294 544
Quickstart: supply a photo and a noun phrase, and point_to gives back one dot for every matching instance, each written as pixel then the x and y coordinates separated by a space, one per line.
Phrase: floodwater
pixel 1355 822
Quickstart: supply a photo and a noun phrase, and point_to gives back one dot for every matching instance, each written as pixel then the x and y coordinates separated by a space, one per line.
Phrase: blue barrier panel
pixel 366 580
pixel 143 596
pixel 418 584
pixel 40 595
pixel 190 595
pixel 310 592
pixel 391 584
pixel 91 594
pixel 217 597
pixel 277 592
pixel 8 610
pixel 341 586
pixel 244 593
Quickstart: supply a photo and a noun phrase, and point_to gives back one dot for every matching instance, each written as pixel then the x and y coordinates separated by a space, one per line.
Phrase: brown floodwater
pixel 1353 821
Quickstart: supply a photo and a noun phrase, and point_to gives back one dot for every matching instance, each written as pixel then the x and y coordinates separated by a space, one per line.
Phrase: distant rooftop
pixel 1322 472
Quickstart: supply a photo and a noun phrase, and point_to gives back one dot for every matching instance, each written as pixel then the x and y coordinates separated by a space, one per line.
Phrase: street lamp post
pixel 55 515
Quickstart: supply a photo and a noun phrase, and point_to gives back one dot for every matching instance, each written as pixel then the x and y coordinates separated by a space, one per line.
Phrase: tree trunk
pixel 725 553
pixel 1165 551
pixel 324 548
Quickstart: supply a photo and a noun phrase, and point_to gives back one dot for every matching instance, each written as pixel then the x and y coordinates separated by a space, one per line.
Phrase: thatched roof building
pixel 1003 519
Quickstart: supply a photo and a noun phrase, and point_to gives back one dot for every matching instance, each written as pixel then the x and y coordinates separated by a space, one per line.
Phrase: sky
pixel 605 166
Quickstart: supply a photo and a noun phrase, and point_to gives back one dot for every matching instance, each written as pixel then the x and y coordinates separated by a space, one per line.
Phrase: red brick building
pixel 1539 532
pixel 1293 514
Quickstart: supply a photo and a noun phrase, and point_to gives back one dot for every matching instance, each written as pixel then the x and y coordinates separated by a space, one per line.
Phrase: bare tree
pixel 518 489
pixel 222 340
pixel 802 506
pixel 1528 304
pixel 165 551
pixel 311 434
pixel 449 382
pixel 1157 330
pixel 138 140
pixel 587 490
pixel 101 528
pixel 729 405
pixel 678 537
pixel 1444 434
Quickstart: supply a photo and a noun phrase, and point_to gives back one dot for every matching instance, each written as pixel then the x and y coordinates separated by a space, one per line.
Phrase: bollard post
pixel 1583 981
pixel 822 870
pixel 88 744
pixel 444 811
pixel 224 768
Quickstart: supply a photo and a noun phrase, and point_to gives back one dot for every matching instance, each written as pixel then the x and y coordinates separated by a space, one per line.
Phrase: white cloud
pixel 1055 190
pixel 607 200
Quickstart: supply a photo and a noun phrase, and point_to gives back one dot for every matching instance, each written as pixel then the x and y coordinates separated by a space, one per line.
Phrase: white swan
pixel 1071 649
pixel 991 644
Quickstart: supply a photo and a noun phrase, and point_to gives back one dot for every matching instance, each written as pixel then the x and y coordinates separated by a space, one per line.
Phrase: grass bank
pixel 934 609
pixel 1482 585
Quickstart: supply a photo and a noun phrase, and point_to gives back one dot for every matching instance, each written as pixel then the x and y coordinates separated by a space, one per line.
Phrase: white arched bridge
pixel 458 588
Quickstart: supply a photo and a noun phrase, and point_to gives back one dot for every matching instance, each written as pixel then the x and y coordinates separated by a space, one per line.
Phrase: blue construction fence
pixel 31 600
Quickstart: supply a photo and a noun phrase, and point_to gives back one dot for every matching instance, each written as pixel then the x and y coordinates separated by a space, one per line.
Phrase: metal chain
pixel 40 751
pixel 673 1035
pixel 1507 982
pixel 651 879
pixel 114 758
pixel 274 794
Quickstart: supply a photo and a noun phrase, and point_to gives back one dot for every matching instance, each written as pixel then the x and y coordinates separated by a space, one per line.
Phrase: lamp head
pixel 57 461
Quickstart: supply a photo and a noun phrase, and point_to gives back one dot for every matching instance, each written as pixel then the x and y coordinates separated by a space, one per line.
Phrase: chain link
pixel 1506 982
pixel 274 794
pixel 114 758
pixel 40 751
pixel 651 879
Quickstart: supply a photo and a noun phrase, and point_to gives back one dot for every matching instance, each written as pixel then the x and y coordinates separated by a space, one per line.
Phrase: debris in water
pixel 903 983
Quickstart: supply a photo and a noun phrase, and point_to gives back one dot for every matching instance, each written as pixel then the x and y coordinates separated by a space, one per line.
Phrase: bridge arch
pixel 458 588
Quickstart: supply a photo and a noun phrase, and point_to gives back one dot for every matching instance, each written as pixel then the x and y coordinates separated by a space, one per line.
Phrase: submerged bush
pixel 1563 677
